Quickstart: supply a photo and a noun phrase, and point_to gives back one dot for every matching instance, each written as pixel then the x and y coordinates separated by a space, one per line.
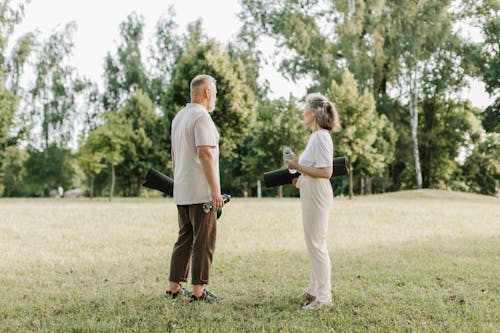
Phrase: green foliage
pixel 145 145
pixel 366 138
pixel 403 48
pixel 406 58
pixel 481 170
pixel 12 169
pixel 235 107
pixel 47 169
pixel 491 117
pixel 90 159
pixel 12 62
pixel 165 51
pixel 54 104
pixel 8 106
pixel 125 72
pixel 279 124
pixel 109 141
pixel 445 127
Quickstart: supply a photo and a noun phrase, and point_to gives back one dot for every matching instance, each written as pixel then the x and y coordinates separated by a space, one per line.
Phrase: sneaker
pixel 206 297
pixel 306 298
pixel 180 292
pixel 316 305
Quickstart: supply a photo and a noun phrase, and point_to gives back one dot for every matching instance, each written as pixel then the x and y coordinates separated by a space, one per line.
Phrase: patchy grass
pixel 408 261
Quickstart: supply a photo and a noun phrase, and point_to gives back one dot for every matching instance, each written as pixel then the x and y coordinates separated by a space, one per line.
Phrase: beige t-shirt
pixel 192 127
pixel 319 150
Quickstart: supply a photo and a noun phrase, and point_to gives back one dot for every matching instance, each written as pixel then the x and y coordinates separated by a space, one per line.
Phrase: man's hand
pixel 218 201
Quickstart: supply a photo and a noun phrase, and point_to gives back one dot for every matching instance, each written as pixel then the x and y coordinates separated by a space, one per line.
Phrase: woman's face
pixel 308 117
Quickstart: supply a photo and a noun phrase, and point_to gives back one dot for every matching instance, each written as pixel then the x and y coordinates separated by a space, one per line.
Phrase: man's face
pixel 213 97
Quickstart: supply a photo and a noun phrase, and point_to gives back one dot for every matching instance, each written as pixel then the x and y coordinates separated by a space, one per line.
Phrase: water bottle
pixel 289 155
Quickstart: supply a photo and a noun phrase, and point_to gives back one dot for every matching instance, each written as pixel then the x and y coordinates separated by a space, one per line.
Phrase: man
pixel 195 156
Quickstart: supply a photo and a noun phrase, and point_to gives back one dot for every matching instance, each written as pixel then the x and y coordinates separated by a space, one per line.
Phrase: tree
pixel 109 141
pixel 481 170
pixel 125 72
pixel 90 159
pixel 47 169
pixel 12 65
pixel 445 129
pixel 389 46
pixel 235 108
pixel 139 113
pixel 130 91
pixel 12 183
pixel 361 128
pixel 54 103
pixel 279 124
pixel 164 54
pixel 8 105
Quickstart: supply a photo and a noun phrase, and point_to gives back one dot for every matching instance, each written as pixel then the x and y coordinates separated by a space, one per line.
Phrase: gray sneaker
pixel 206 297
pixel 181 292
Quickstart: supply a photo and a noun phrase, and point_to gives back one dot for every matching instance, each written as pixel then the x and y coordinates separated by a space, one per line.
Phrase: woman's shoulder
pixel 323 135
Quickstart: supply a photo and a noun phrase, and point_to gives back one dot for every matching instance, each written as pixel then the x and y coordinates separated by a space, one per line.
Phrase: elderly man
pixel 195 156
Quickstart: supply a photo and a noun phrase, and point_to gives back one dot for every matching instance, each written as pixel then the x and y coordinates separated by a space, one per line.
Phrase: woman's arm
pixel 325 172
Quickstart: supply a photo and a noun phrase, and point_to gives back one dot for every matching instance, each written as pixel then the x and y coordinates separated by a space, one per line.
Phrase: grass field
pixel 408 261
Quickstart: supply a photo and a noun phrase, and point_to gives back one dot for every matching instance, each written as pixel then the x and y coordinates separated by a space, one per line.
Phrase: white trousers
pixel 316 197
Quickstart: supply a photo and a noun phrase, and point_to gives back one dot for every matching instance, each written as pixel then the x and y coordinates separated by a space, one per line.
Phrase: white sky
pixel 98 32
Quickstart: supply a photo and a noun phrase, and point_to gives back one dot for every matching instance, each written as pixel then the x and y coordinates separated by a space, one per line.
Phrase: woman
pixel 315 165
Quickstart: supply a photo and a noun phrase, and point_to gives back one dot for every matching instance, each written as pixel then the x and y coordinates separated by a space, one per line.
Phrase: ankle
pixel 199 294
pixel 198 290
pixel 174 287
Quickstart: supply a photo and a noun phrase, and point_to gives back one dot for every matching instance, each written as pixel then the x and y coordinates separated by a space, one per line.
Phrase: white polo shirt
pixel 193 127
pixel 319 150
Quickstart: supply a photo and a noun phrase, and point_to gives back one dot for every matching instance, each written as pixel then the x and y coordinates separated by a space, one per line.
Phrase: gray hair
pixel 325 113
pixel 199 81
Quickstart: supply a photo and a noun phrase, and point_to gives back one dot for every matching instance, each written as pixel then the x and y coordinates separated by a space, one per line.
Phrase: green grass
pixel 409 261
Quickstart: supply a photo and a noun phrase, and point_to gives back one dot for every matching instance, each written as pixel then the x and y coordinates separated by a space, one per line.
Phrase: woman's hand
pixel 292 164
pixel 296 182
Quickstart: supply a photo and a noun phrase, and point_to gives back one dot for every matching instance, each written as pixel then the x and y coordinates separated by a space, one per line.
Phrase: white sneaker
pixel 316 305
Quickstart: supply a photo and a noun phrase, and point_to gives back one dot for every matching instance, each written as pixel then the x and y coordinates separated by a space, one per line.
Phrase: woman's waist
pixel 313 179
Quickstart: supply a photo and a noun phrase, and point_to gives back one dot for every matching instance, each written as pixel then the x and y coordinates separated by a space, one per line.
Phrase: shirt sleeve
pixel 323 151
pixel 205 132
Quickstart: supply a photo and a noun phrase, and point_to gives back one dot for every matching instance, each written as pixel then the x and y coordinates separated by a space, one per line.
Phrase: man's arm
pixel 173 159
pixel 208 164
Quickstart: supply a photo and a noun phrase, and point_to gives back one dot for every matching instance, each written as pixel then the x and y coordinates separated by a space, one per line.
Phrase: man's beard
pixel 211 105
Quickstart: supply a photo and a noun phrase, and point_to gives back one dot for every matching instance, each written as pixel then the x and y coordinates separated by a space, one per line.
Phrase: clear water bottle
pixel 289 155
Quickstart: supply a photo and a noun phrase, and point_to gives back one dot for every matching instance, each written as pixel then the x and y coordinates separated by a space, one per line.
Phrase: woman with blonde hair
pixel 316 196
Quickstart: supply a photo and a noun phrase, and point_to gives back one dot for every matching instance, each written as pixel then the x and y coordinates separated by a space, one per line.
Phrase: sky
pixel 98 33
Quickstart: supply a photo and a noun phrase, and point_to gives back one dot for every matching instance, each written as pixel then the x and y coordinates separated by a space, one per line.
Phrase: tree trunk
pixel 245 190
pixel 368 186
pixel 361 185
pixel 351 194
pixel 280 191
pixel 112 182
pixel 259 189
pixel 92 188
pixel 414 128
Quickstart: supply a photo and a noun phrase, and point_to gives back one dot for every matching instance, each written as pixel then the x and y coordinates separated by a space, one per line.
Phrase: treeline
pixel 394 69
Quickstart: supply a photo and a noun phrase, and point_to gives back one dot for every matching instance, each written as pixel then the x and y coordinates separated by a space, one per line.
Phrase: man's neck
pixel 200 102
